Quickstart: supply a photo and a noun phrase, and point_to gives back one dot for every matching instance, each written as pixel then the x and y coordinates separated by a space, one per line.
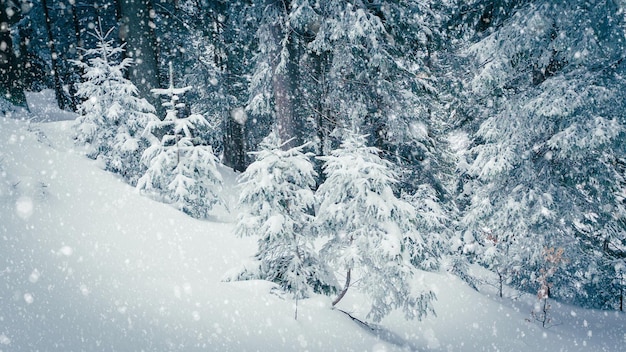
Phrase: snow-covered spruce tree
pixel 278 201
pixel 373 238
pixel 181 170
pixel 112 117
pixel 372 65
pixel 544 165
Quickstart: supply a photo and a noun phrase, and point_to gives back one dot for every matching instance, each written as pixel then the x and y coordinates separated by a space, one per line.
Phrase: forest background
pixel 502 119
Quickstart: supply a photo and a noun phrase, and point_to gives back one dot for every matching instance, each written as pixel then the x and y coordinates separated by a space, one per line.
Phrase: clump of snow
pixel 239 115
pixel 66 251
pixel 24 207
pixel 34 276
pixel 459 141
pixel 28 298
pixel 4 340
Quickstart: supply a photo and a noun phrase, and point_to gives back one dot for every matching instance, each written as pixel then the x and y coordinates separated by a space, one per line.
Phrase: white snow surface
pixel 87 264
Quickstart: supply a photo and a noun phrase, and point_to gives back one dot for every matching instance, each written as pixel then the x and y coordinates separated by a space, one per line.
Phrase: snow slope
pixel 87 264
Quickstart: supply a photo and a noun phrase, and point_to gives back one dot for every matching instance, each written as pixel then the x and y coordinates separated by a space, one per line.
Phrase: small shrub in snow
pixel 497 257
pixel 553 259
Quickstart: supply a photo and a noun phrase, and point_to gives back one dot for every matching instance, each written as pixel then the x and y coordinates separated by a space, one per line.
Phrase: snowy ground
pixel 87 264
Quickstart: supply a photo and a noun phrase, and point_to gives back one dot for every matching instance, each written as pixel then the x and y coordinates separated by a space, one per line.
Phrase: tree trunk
pixel 283 82
pixel 233 139
pixel 137 32
pixel 77 46
pixel 11 83
pixel 233 121
pixel 544 318
pixel 62 99
pixel 345 289
pixel 325 122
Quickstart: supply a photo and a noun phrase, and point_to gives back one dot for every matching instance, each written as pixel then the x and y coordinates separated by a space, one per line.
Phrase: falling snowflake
pixel 24 207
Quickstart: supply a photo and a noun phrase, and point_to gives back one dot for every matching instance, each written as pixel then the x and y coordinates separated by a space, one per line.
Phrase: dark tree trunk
pixel 62 99
pixel 78 44
pixel 325 123
pixel 620 283
pixel 11 83
pixel 234 146
pixel 141 45
pixel 289 127
pixel 226 58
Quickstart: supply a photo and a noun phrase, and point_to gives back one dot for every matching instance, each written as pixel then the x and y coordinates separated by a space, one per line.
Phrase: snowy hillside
pixel 86 263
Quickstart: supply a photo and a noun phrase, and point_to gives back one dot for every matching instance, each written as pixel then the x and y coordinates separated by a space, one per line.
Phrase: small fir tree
pixel 181 169
pixel 498 258
pixel 371 229
pixel 435 222
pixel 111 116
pixel 278 200
pixel 553 259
